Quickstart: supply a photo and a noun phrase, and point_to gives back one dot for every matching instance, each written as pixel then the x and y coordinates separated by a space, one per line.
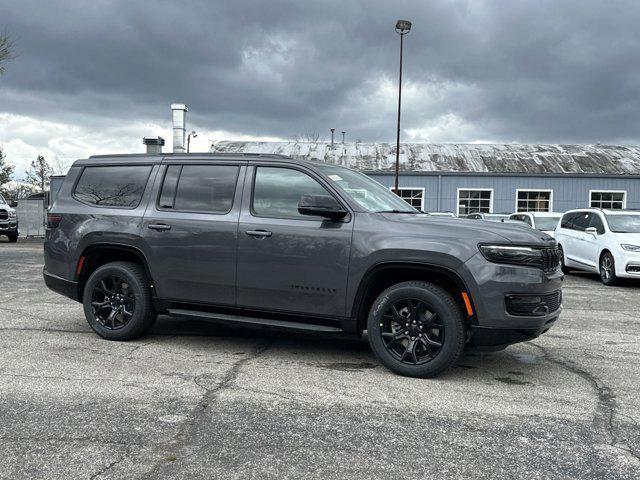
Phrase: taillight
pixel 53 220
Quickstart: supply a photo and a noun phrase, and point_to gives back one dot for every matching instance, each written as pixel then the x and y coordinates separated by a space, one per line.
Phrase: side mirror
pixel 321 206
pixel 591 231
pixel 13 204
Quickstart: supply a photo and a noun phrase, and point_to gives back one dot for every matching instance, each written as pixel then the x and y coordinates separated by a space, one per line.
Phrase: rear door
pixel 590 245
pixel 580 251
pixel 567 237
pixel 288 261
pixel 190 230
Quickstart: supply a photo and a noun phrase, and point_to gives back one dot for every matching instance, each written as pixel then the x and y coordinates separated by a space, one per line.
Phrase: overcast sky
pixel 95 77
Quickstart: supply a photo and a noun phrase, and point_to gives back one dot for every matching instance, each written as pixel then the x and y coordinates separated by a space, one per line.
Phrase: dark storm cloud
pixel 539 71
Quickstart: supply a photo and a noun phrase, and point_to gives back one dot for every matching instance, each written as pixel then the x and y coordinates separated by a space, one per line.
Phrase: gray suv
pixel 8 220
pixel 268 240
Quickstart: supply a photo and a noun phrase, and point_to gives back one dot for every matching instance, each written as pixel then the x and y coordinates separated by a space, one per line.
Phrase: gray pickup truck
pixel 8 220
pixel 314 247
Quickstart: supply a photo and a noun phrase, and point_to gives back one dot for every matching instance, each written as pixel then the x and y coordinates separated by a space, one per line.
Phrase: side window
pixel 527 220
pixel 566 221
pixel 596 222
pixel 117 186
pixel 581 221
pixel 277 191
pixel 199 188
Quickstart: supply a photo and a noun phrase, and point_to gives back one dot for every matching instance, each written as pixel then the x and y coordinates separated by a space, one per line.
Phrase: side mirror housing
pixel 591 231
pixel 13 204
pixel 321 206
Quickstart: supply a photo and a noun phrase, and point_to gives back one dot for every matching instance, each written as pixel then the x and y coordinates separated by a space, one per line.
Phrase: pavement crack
pixel 606 410
pixel 126 454
pixel 180 439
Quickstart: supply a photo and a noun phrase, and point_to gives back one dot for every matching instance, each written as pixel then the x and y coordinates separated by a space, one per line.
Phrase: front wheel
pixel 608 269
pixel 563 266
pixel 13 237
pixel 416 329
pixel 117 301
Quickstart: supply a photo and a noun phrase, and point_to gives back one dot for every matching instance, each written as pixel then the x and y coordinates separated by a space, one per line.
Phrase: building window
pixel 413 196
pixel 475 201
pixel 611 200
pixel 533 200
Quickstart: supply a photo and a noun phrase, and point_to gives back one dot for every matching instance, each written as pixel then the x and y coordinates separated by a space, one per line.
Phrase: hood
pixel 631 238
pixel 481 230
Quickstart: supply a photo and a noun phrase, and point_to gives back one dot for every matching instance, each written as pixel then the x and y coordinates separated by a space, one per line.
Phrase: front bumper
pixel 8 226
pixel 627 264
pixel 494 327
pixel 61 285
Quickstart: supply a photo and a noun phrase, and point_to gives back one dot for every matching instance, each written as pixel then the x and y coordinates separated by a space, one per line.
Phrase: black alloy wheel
pixel 117 301
pixel 113 302
pixel 412 332
pixel 416 329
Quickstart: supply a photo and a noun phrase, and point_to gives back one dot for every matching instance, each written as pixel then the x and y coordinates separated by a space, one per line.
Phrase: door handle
pixel 159 226
pixel 258 233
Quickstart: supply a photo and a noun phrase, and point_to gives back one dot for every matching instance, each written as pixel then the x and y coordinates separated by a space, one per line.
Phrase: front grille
pixel 550 259
pixel 534 305
pixel 4 214
pixel 553 300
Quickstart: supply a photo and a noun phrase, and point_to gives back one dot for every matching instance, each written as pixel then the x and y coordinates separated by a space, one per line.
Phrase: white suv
pixel 544 221
pixel 602 241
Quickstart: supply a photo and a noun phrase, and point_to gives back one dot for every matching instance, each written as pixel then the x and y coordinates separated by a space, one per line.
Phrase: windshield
pixel 546 223
pixel 366 192
pixel 2 200
pixel 624 223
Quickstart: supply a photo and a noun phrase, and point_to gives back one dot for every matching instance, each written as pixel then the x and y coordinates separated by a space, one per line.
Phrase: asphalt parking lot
pixel 196 400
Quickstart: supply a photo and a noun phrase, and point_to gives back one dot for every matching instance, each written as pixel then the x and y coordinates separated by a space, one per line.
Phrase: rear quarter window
pixel 112 186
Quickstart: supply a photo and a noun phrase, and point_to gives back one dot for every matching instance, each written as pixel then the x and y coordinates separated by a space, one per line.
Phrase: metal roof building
pixel 497 178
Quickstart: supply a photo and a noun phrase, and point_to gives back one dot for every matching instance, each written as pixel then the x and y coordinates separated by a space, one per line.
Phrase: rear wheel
pixel 117 301
pixel 416 329
pixel 608 269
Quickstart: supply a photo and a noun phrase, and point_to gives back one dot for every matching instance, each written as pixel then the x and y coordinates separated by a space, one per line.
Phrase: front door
pixel 288 261
pixel 191 232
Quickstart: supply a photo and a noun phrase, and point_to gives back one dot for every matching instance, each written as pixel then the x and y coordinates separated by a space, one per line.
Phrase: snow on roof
pixel 431 157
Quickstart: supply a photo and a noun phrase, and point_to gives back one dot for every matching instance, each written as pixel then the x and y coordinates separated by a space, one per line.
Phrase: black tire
pixel 439 305
pixel 13 237
pixel 607 267
pixel 127 281
pixel 563 267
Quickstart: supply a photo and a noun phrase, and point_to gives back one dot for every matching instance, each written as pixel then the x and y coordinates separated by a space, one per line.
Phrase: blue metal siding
pixel 568 192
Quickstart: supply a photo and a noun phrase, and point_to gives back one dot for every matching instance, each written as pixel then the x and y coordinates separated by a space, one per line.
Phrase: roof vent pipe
pixel 154 145
pixel 179 113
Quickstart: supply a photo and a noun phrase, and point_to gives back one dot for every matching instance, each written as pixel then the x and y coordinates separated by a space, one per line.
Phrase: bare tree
pixel 6 169
pixel 39 173
pixel 6 50
pixel 311 137
pixel 59 166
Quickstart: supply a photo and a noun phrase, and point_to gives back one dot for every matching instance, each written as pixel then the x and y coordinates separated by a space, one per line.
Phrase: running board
pixel 239 319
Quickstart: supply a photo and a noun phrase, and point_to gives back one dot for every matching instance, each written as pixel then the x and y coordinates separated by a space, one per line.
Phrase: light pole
pixel 193 134
pixel 402 28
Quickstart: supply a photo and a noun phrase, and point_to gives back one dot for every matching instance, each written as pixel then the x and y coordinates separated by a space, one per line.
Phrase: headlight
pixel 630 248
pixel 12 214
pixel 513 255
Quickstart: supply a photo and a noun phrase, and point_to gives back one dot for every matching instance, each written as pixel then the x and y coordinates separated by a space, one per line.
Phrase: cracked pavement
pixel 198 400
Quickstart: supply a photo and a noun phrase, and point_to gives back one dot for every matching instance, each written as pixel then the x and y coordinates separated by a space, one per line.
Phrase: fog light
pixel 526 305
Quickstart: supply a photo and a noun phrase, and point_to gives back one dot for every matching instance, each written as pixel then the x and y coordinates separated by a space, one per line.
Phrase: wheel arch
pixel 383 275
pixel 98 254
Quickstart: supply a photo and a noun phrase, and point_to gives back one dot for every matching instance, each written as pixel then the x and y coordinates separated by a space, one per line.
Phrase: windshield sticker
pixel 335 178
